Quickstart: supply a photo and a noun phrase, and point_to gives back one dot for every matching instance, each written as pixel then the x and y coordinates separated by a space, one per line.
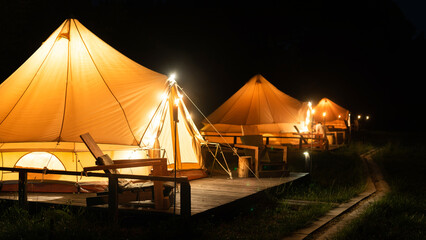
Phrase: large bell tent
pixel 76 83
pixel 257 108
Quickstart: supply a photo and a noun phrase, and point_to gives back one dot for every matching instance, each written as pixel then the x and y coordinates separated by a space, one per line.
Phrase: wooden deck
pixel 209 193
pixel 206 193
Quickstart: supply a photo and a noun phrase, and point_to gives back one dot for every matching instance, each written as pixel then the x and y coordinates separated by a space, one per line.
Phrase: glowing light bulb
pixel 172 78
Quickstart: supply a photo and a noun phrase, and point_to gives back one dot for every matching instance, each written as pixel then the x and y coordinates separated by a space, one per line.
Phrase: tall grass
pixel 400 214
pixel 47 223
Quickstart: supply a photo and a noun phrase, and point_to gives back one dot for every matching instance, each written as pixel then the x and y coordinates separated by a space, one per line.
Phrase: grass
pixel 401 213
pixel 264 223
pixel 270 217
pixel 276 219
pixel 47 223
pixel 394 217
pixel 336 176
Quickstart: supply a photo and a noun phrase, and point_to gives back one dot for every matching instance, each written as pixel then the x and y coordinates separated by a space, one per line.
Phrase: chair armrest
pixel 124 165
pixel 119 161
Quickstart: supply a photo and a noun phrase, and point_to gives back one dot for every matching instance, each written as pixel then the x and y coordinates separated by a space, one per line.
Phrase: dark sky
pixel 414 11
pixel 367 55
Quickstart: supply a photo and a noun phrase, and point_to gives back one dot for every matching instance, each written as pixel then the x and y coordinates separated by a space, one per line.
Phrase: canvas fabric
pixel 258 104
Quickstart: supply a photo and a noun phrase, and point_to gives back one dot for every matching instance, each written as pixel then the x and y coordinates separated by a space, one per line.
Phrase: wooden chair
pixel 262 163
pixel 316 140
pixel 150 194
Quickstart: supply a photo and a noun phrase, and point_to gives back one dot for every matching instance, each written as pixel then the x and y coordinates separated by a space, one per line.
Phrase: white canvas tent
pixel 257 107
pixel 175 129
pixel 331 114
pixel 76 83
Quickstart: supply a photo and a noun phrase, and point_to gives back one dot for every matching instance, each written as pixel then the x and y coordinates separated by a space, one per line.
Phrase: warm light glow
pixel 151 132
pixel 307 120
pixel 177 101
pixel 172 78
pixel 40 160
pixel 163 96
pixel 180 96
pixel 149 140
pixel 367 117
pixel 309 104
pixel 340 116
pixel 359 116
pixel 349 120
pixel 324 114
pixel 151 113
pixel 306 154
pixel 313 111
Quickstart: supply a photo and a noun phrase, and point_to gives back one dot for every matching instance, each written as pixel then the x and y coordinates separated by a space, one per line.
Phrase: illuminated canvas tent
pixel 331 114
pixel 171 125
pixel 76 83
pixel 257 106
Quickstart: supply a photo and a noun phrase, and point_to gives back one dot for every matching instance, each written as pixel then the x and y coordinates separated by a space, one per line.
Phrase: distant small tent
pixel 76 83
pixel 257 107
pixel 331 114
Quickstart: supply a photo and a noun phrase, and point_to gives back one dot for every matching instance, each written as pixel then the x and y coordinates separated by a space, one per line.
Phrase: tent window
pixel 40 160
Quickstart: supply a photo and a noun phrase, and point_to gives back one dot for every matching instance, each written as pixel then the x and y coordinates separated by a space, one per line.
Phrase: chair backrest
pixel 101 158
pixel 253 140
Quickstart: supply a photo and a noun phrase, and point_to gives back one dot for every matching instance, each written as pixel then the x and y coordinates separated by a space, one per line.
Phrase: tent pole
pixel 175 154
pixel 175 121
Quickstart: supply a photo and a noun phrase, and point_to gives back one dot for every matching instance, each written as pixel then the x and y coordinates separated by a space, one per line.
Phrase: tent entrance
pixel 40 160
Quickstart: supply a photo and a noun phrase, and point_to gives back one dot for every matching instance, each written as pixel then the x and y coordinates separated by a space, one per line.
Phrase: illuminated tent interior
pixel 331 114
pixel 257 108
pixel 76 83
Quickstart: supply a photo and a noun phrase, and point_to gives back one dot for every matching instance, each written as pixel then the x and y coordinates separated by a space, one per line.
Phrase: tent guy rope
pixel 204 116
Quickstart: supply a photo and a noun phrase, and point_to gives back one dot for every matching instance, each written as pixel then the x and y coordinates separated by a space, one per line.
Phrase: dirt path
pixel 381 187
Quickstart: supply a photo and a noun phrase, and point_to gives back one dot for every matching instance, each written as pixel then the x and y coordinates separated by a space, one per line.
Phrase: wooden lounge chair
pixel 149 194
pixel 264 165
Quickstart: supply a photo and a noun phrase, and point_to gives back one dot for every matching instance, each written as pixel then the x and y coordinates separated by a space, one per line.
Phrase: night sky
pixel 367 55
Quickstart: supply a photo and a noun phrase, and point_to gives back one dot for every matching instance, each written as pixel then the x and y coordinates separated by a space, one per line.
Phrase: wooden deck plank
pixel 206 193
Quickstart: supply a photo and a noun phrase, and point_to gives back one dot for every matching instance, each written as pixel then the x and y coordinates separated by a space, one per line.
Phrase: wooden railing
pixel 235 137
pixel 267 138
pixel 185 187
